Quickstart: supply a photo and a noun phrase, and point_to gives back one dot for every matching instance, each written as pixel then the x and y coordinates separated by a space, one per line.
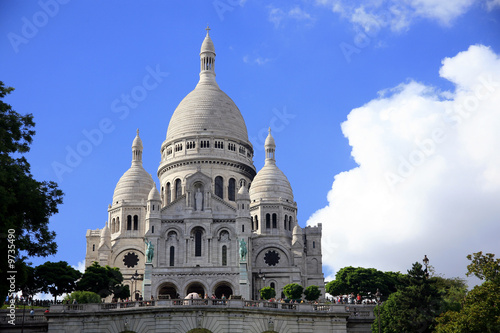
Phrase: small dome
pixel 207 45
pixel 137 142
pixel 154 194
pixel 297 230
pixel 270 140
pixel 271 183
pixel 134 185
pixel 105 231
pixel 243 193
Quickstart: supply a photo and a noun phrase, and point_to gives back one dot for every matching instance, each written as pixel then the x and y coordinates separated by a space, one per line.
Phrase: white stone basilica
pixel 216 226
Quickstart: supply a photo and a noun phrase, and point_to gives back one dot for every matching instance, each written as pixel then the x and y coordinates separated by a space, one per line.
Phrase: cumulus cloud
pixel 80 266
pixel 428 176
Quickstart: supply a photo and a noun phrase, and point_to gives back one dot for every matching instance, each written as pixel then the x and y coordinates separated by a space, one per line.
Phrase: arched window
pixel 314 244
pixel 272 285
pixel 290 223
pixel 136 222
pixel 93 247
pixel 251 220
pixel 129 222
pixel 275 222
pixel 172 256
pixel 219 187
pixel 117 224
pixel 178 189
pixel 285 222
pixel 231 190
pixel 256 223
pixel 224 255
pixel 169 193
pixel 113 226
pixel 197 243
pixel 152 229
pixel 268 221
pixel 242 228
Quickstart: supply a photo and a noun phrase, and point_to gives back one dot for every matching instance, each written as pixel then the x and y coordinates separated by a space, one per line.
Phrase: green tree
pixel 57 278
pixel 480 310
pixel 312 293
pixel 25 203
pixel 267 293
pixel 104 281
pixel 413 307
pixel 83 297
pixel 363 281
pixel 29 284
pixel 121 292
pixel 293 291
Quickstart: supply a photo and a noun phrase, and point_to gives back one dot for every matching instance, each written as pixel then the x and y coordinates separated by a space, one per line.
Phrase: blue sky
pixel 354 91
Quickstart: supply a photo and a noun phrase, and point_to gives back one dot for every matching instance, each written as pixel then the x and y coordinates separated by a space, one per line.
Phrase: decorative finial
pixel 207 29
pixel 138 132
pixel 269 130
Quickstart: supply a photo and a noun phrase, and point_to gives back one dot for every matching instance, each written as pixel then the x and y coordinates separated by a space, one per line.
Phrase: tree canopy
pixel 480 309
pixel 267 293
pixel 293 291
pixel 363 281
pixel 312 293
pixel 57 277
pixel 25 203
pixel 101 280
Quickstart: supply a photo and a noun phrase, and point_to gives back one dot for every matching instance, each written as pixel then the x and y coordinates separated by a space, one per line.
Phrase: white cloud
pixel 277 15
pixel 428 180
pixel 255 60
pixel 80 266
pixel 399 15
pixel 492 4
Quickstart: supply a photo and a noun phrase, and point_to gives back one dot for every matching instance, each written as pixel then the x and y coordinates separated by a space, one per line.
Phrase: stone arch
pixel 199 330
pixel 196 287
pixel 223 288
pixel 167 290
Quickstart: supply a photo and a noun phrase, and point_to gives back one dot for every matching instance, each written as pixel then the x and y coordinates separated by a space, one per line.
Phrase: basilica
pixel 214 226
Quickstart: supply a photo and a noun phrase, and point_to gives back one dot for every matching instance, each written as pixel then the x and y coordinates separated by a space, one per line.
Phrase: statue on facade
pixel 243 249
pixel 150 249
pixel 198 200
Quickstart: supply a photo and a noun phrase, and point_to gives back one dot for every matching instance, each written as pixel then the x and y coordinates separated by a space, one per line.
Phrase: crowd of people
pixel 352 299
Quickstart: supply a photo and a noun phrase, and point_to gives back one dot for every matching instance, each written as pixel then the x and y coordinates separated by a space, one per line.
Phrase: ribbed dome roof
pixel 207 110
pixel 271 183
pixel 135 183
pixel 154 194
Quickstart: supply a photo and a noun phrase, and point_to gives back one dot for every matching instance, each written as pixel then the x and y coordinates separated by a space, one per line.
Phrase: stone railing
pixel 358 311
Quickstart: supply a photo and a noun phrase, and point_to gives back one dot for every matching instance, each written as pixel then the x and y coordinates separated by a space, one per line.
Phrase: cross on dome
pixel 207 29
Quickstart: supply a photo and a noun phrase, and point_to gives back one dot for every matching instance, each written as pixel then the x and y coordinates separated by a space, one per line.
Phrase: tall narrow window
pixel 169 193
pixel 113 226
pixel 93 247
pixel 172 256
pixel 285 223
pixel 251 220
pixel 178 189
pixel 136 222
pixel 129 222
pixel 197 243
pixel 231 191
pixel 224 255
pixel 268 221
pixel 152 229
pixel 219 187
pixel 117 224
pixel 314 244
pixel 290 223
pixel 275 222
pixel 256 223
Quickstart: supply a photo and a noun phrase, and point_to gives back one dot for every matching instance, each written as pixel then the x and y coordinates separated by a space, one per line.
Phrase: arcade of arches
pixel 169 290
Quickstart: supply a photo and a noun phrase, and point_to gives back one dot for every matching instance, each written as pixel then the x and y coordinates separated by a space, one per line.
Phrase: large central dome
pixel 207 110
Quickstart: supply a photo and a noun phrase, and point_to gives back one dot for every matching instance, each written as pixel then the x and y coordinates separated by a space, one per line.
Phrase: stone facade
pixel 215 225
